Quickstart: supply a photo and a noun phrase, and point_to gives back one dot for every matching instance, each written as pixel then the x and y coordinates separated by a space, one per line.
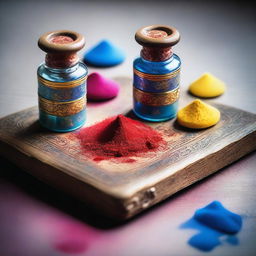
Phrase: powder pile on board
pixel 117 137
pixel 104 54
pixel 216 226
pixel 100 88
pixel 207 86
pixel 198 115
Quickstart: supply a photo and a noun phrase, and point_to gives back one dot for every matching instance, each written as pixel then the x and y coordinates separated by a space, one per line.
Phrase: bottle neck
pixel 157 54
pixel 62 70
pixel 61 61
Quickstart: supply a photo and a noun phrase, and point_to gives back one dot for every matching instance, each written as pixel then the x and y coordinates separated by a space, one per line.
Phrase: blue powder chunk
pixel 104 54
pixel 215 225
pixel 205 241
pixel 214 215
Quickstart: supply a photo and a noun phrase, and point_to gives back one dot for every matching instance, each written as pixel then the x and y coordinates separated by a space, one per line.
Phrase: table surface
pixel 216 37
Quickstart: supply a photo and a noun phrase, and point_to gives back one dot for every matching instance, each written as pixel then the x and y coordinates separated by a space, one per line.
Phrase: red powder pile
pixel 117 137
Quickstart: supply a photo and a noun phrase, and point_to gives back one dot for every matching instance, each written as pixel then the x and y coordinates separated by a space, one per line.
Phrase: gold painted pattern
pixel 62 108
pixel 156 99
pixel 156 77
pixel 60 85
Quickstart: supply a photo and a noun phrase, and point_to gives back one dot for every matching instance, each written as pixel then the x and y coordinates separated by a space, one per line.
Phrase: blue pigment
pixel 214 215
pixel 205 241
pixel 214 223
pixel 104 54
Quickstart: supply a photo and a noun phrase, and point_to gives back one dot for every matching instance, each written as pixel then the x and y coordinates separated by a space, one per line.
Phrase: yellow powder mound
pixel 198 115
pixel 207 86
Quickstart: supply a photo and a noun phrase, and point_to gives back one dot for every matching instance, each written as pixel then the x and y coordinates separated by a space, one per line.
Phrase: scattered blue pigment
pixel 104 54
pixel 214 223
pixel 215 216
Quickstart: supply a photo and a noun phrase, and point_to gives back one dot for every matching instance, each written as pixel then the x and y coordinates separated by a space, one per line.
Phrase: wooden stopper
pixel 157 41
pixel 61 47
pixel 157 36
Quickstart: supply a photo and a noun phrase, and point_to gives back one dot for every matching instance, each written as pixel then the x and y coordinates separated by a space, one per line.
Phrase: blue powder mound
pixel 104 54
pixel 215 224
pixel 205 241
pixel 214 215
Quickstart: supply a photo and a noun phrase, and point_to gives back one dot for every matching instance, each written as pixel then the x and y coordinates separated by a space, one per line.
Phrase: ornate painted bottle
pixel 156 74
pixel 62 82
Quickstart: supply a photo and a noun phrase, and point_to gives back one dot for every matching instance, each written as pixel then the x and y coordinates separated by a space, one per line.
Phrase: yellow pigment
pixel 207 86
pixel 198 115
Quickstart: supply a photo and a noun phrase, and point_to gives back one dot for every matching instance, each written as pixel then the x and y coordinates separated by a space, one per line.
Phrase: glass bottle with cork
pixel 156 74
pixel 62 81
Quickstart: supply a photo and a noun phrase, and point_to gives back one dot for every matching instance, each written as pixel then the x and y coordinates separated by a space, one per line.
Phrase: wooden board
pixel 121 190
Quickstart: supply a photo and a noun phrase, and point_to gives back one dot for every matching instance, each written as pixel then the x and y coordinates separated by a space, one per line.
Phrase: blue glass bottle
pixel 62 82
pixel 156 74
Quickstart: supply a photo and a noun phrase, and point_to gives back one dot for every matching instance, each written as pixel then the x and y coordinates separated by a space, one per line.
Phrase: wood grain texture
pixel 122 190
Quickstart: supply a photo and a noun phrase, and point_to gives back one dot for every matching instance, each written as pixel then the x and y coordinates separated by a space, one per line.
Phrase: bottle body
pixel 156 88
pixel 62 97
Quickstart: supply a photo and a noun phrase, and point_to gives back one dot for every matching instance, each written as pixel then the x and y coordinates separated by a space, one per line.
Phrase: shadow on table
pixel 68 204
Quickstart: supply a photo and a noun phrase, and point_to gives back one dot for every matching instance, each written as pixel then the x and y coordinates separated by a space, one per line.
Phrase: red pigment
pixel 157 33
pixel 62 40
pixel 117 137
